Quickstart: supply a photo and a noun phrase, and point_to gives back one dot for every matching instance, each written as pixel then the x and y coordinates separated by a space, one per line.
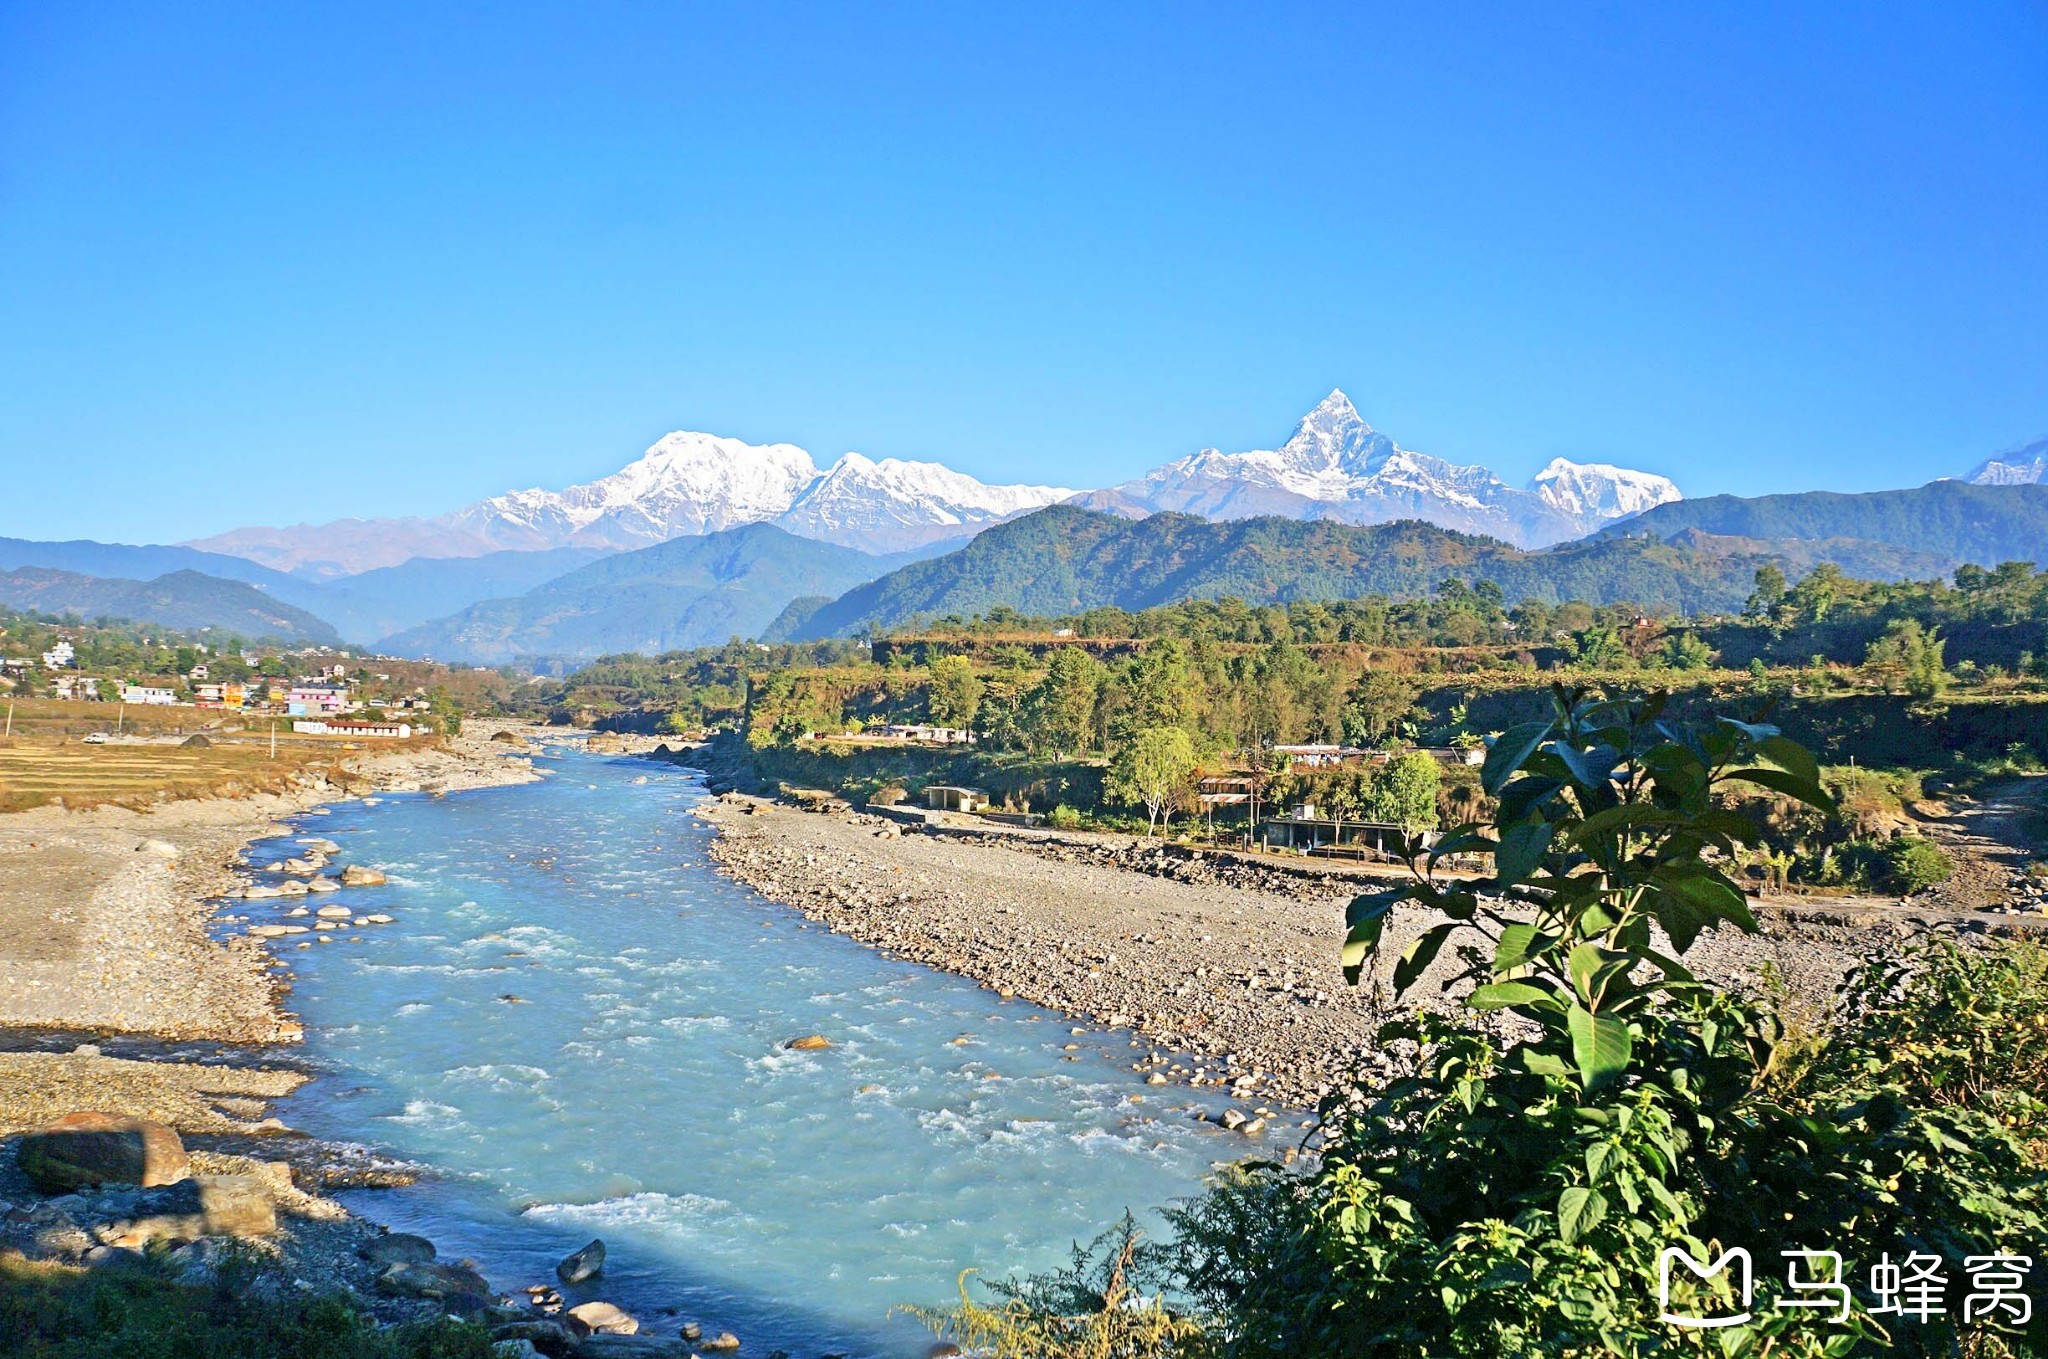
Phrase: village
pixel 319 692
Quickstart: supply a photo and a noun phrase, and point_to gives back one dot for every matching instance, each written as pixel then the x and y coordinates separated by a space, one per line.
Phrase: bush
pixel 1064 817
pixel 888 795
pixel 1913 864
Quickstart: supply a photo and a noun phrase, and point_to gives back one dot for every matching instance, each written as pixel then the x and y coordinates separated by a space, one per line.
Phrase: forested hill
pixel 1953 520
pixel 1066 559
pixel 186 600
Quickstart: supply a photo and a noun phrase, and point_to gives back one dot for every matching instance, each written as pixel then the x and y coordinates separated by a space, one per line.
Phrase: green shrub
pixel 1913 864
pixel 1064 817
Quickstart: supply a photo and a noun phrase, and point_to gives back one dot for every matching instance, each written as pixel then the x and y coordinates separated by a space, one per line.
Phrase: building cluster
pixel 322 701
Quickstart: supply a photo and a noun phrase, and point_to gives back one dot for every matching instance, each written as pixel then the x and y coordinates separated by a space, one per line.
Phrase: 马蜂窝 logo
pixel 1704 1272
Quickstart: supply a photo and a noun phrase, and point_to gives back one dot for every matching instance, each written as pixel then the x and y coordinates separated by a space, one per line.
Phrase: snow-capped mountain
pixel 687 483
pixel 1336 466
pixel 2025 466
pixel 904 504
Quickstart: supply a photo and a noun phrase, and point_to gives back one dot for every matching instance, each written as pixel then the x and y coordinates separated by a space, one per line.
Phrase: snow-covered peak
pixel 895 503
pixel 1598 491
pixel 1335 437
pixel 2023 466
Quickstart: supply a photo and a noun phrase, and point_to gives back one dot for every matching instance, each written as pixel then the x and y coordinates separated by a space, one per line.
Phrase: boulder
pixel 514 1349
pixel 91 1148
pixel 722 1342
pixel 394 1248
pixel 546 1335
pixel 334 913
pixel 355 875
pixel 810 1042
pixel 162 849
pixel 378 918
pixel 294 888
pixel 320 846
pixel 322 884
pixel 586 1263
pixel 601 1318
pixel 202 1206
pixel 427 1279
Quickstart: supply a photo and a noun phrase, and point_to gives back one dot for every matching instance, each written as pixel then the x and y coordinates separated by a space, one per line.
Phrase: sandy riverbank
pixel 1233 963
pixel 104 913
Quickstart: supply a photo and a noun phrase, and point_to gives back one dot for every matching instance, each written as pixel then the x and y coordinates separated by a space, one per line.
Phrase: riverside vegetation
pixel 1593 1103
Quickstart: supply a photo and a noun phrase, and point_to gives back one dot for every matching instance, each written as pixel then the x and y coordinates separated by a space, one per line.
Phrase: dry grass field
pixel 47 760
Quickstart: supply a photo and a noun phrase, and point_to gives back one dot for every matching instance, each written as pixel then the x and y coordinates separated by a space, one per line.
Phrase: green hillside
pixel 1952 520
pixel 1064 559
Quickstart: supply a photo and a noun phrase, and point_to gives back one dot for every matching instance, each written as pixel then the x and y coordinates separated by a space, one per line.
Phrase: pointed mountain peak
pixel 1334 436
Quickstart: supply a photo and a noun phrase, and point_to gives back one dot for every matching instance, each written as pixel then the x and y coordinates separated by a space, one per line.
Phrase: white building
pixel 146 694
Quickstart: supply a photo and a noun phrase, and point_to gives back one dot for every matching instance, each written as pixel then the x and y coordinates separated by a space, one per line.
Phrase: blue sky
pixel 261 264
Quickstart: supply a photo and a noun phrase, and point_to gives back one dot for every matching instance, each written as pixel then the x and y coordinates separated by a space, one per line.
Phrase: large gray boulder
pixel 85 1149
pixel 586 1263
pixel 426 1279
pixel 395 1248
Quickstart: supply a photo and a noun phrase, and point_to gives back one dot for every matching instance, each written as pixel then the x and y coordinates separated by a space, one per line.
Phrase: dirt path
pixel 1993 839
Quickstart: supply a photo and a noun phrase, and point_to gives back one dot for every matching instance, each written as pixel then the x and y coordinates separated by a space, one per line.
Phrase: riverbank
pixel 105 913
pixel 1227 969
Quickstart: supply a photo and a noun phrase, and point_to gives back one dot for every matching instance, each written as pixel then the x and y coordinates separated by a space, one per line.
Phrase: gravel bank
pixel 1232 964
pixel 104 913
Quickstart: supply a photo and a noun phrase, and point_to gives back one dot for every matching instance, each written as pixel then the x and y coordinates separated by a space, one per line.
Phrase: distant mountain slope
pixel 375 604
pixel 137 562
pixel 686 592
pixel 1954 521
pixel 1336 466
pixel 186 600
pixel 1065 559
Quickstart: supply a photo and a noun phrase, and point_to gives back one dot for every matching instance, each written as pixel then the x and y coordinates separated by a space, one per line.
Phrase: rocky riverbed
pixel 1225 968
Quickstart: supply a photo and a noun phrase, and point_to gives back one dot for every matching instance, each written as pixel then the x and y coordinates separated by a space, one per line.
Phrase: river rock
pixel 161 849
pixel 334 913
pixel 546 1335
pixel 312 863
pixel 601 1318
pixel 1232 1119
pixel 202 1206
pixel 722 1342
pixel 320 846
pixel 355 875
pixel 427 1279
pixel 259 891
pixel 379 919
pixel 395 1248
pixel 91 1148
pixel 586 1263
pixel 294 888
pixel 322 884
pixel 810 1042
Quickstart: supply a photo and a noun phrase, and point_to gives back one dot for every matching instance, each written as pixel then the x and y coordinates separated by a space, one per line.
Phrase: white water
pixel 579 1024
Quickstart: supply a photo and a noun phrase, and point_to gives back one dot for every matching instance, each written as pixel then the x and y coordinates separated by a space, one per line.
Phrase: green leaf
pixel 1579 1210
pixel 1597 1157
pixel 1511 749
pixel 1791 785
pixel 1364 921
pixel 1600 1047
pixel 1417 957
pixel 1521 850
pixel 1689 902
pixel 1790 756
pixel 1592 969
pixel 1518 944
pixel 1500 995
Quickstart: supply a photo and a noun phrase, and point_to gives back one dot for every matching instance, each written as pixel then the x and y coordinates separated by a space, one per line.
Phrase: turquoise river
pixel 579 1026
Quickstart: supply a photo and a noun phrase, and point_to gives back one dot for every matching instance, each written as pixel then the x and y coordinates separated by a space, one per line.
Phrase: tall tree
pixel 1155 767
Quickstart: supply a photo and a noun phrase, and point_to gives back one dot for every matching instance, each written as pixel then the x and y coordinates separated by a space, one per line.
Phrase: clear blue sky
pixel 266 263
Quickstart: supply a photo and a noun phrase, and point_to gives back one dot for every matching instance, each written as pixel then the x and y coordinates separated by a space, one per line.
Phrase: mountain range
pixel 705 537
pixel 1336 466
pixel 686 484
